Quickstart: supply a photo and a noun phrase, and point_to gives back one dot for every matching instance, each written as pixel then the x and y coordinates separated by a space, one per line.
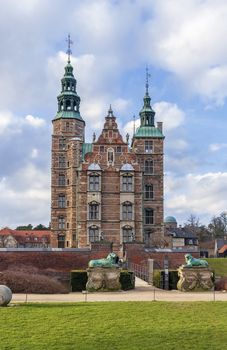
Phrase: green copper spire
pixel 68 100
pixel 147 114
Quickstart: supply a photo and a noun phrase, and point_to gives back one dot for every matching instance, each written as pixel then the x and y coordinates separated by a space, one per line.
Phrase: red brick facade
pixel 105 190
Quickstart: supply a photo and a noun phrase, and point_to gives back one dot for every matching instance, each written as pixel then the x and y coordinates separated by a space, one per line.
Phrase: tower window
pixel 149 191
pixel 149 216
pixel 148 146
pixel 127 211
pixel 93 233
pixel 118 149
pixel 127 234
pixel 61 161
pixel 149 166
pixel 127 183
pixel 61 222
pixel 61 201
pixel 94 182
pixel 61 180
pixel 93 211
pixel 61 241
pixel 101 149
pixel 62 144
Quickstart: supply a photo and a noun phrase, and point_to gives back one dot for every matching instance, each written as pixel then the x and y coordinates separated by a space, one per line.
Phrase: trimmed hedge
pixel 78 280
pixel 159 278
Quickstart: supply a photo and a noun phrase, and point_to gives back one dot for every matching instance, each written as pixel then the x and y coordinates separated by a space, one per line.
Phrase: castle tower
pixel 147 144
pixel 67 140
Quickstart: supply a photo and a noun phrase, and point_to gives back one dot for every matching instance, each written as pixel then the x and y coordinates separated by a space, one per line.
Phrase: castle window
pixel 94 182
pixel 61 161
pixel 61 201
pixel 62 144
pixel 101 149
pixel 118 149
pixel 149 166
pixel 127 183
pixel 93 211
pixel 61 241
pixel 148 146
pixel 61 222
pixel 110 155
pixel 149 191
pixel 127 211
pixel 61 180
pixel 68 105
pixel 149 216
pixel 93 233
pixel 127 234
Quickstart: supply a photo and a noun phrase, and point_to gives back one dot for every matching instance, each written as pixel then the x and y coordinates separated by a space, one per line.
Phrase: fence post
pixel 150 270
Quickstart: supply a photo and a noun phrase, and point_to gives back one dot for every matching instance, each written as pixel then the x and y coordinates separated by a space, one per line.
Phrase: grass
pixel 219 265
pixel 116 325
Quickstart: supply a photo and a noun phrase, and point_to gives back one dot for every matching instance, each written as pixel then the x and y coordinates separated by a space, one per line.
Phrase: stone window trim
pixel 93 234
pixel 61 200
pixel 149 216
pixel 94 211
pixel 127 182
pixel 94 182
pixel 127 234
pixel 110 156
pixel 148 146
pixel 149 167
pixel 127 211
pixel 61 180
pixel 61 222
pixel 148 191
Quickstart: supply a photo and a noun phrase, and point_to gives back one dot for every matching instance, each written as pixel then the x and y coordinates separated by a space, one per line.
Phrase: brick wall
pixel 137 254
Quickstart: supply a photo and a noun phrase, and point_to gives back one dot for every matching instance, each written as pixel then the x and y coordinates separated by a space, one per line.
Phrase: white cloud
pixel 34 153
pixel 170 114
pixel 25 197
pixel 214 147
pixel 204 195
pixel 35 122
pixel 191 45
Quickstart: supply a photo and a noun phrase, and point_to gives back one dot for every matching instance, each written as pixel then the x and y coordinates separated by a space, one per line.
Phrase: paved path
pixel 142 292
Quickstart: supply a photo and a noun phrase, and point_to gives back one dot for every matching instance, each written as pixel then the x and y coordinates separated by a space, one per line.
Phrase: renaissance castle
pixel 106 190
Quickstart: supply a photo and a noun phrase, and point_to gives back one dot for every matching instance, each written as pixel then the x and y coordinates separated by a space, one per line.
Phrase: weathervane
pixel 69 51
pixel 147 79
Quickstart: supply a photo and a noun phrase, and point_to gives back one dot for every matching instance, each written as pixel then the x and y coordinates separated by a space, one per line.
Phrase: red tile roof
pixel 27 235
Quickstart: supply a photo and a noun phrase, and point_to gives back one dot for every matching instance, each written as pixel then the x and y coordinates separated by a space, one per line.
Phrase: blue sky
pixel 184 48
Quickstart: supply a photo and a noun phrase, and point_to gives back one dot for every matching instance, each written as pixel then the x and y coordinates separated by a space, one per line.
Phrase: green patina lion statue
pixel 191 262
pixel 110 261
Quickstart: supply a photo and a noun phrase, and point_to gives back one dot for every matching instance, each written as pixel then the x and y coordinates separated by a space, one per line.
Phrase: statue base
pixel 195 279
pixel 101 279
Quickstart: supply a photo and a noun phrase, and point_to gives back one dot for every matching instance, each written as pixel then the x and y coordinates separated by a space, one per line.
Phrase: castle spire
pixel 147 114
pixel 69 51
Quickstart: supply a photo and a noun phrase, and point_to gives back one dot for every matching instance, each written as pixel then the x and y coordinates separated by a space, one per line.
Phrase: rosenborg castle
pixel 106 190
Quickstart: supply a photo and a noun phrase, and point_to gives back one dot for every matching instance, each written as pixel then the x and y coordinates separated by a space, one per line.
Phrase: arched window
pixel 127 183
pixel 94 181
pixel 61 201
pixel 127 234
pixel 61 180
pixel 127 211
pixel 68 105
pixel 149 191
pixel 93 211
pixel 93 233
pixel 149 166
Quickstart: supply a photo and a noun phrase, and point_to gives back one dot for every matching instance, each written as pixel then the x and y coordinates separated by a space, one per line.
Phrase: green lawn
pixel 219 265
pixel 116 325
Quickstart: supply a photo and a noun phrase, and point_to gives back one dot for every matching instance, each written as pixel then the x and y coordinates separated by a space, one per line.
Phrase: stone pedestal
pixel 195 279
pixel 103 279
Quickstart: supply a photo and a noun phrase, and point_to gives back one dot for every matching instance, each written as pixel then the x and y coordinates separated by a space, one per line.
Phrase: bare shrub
pixel 221 284
pixel 30 282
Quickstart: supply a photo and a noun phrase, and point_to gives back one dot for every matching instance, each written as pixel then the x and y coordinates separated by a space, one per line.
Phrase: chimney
pixel 159 125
